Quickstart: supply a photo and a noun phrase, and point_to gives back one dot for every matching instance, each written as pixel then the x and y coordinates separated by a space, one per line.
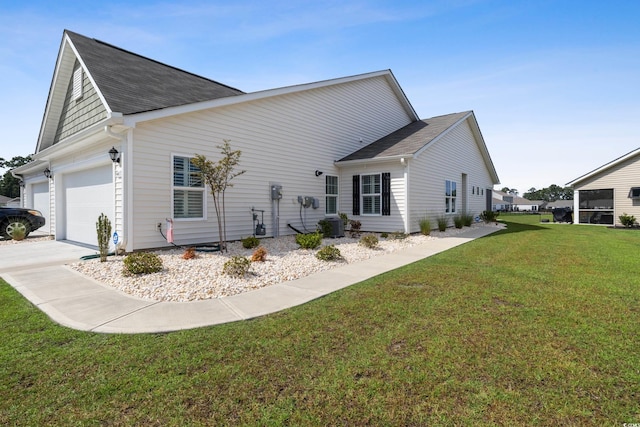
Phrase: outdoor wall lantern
pixel 115 156
pixel 318 173
pixel 47 173
pixel 21 184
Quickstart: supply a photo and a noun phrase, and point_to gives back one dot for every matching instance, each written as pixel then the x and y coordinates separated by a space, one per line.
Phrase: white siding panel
pixel 455 154
pixel 42 202
pixel 283 139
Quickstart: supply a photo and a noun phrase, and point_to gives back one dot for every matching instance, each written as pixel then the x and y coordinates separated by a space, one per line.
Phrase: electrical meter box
pixel 307 201
pixel 276 192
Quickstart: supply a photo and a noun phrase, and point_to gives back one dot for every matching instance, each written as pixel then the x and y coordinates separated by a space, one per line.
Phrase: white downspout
pixel 118 179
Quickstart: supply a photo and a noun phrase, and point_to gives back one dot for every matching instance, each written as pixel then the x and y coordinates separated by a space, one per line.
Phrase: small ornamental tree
pixel 218 176
pixel 103 228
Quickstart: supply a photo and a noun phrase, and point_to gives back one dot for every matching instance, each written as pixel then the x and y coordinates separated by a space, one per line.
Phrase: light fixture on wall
pixel 318 172
pixel 47 173
pixel 115 156
pixel 21 184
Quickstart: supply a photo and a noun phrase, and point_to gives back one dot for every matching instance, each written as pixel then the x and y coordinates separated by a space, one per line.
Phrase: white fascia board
pixel 603 167
pixel 84 138
pixel 442 135
pixel 399 158
pixel 132 119
pixel 52 90
pixel 483 148
pixel 67 56
pixel 89 76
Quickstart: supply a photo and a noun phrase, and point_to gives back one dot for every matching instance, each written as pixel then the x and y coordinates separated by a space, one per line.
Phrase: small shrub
pixel 399 235
pixel 443 222
pixel 489 216
pixel 259 255
pixel 237 266
pixel 309 241
pixel 344 218
pixel 467 219
pixel 189 253
pixel 425 225
pixel 354 227
pixel 458 221
pixel 141 263
pixel 325 227
pixel 250 242
pixel 329 253
pixel 103 228
pixel 369 241
pixel 18 234
pixel 384 235
pixel 627 220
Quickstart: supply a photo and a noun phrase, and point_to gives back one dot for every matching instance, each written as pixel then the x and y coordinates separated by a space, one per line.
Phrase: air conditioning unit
pixel 337 227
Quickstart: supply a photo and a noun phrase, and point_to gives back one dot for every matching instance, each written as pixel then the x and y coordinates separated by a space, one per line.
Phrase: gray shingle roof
pixel 131 83
pixel 407 140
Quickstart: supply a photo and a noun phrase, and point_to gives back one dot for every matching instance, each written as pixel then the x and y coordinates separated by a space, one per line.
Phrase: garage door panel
pixel 87 194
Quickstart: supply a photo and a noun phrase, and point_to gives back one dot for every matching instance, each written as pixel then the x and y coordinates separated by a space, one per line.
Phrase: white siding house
pixel 602 195
pixel 301 143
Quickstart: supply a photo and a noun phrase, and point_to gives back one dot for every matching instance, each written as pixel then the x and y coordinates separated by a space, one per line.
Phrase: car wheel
pixel 17 226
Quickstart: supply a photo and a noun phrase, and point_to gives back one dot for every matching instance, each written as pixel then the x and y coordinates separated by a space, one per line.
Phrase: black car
pixel 16 219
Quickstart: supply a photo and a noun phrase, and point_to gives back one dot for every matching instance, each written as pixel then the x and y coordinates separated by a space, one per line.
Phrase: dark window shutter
pixel 386 193
pixel 356 195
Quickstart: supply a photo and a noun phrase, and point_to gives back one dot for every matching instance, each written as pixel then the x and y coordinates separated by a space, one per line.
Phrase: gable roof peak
pixel 132 83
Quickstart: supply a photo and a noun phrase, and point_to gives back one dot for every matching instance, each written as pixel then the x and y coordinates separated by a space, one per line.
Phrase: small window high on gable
pixel 77 83
pixel 634 193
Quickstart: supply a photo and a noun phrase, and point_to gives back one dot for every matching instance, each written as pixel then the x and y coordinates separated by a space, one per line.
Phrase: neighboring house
pixel 352 145
pixel 520 204
pixel 510 202
pixel 609 191
pixel 4 200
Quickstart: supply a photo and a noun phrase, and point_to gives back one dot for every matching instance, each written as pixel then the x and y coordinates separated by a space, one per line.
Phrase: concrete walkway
pixel 38 272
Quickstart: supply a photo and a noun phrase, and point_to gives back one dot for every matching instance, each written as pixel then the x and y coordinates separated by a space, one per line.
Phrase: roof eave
pixel 604 167
pixel 132 119
pixel 383 159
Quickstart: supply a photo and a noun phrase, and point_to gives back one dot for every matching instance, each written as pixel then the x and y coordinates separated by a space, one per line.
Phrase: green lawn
pixel 535 325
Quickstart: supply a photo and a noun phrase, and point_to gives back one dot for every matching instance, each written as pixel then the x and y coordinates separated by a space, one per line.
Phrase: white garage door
pixel 41 202
pixel 88 194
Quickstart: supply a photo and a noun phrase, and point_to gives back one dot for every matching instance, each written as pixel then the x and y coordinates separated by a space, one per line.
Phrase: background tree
pixel 218 176
pixel 509 190
pixel 9 184
pixel 550 194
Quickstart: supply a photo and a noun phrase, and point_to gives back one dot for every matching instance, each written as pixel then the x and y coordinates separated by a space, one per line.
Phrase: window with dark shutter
pixel 356 195
pixel 386 194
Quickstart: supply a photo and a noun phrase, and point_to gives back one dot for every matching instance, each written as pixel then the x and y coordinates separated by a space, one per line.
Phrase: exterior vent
pixel 77 83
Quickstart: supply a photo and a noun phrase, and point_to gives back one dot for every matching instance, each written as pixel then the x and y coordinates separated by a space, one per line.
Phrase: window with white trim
pixel 77 83
pixel 188 189
pixel 371 194
pixel 331 195
pixel 450 196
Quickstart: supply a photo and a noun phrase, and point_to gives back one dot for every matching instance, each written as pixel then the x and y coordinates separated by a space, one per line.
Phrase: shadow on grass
pixel 518 227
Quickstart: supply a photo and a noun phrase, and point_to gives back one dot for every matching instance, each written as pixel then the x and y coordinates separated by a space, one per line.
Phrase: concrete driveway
pixel 27 255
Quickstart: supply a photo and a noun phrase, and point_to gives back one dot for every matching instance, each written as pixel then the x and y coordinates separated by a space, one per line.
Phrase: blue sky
pixel 555 85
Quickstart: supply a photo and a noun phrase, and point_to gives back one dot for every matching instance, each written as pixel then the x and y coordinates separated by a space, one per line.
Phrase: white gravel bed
pixel 201 278
pixel 29 239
